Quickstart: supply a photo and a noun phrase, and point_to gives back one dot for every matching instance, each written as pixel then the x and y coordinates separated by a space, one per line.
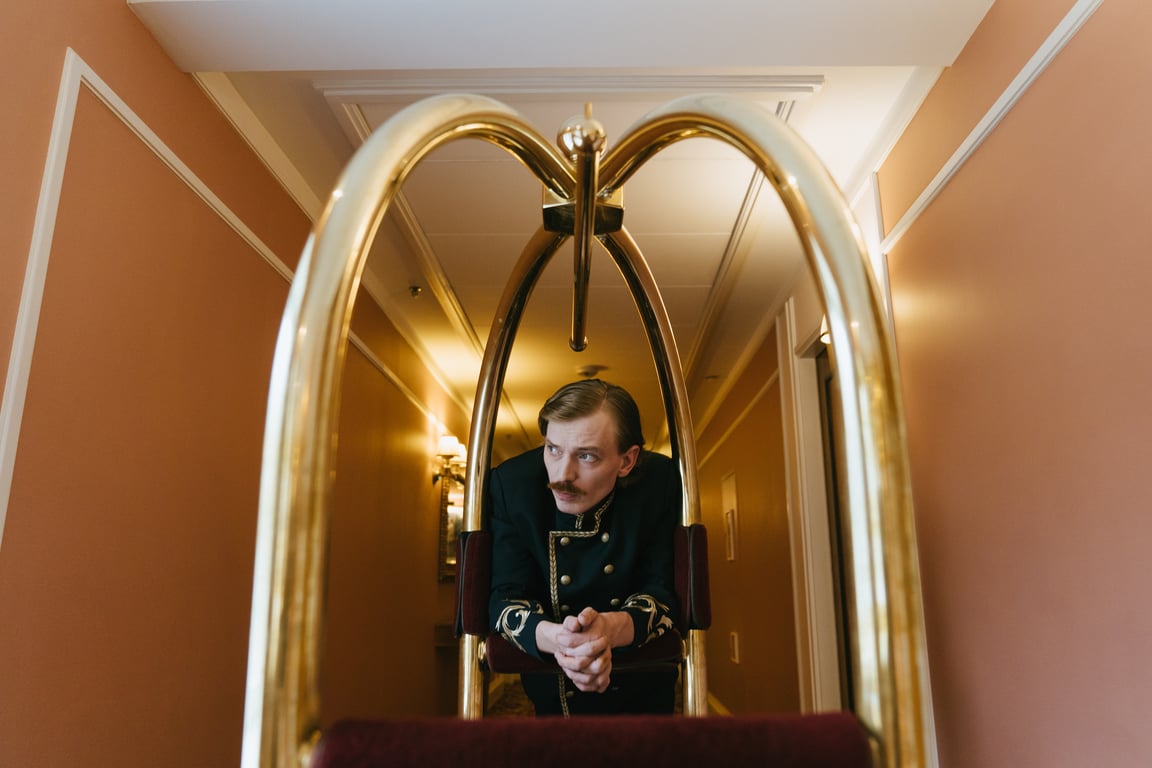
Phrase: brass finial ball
pixel 581 134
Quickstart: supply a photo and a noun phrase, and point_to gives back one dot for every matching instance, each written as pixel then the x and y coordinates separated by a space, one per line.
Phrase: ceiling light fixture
pixel 452 457
pixel 591 370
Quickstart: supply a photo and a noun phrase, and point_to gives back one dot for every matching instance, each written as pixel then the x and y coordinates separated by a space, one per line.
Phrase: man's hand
pixel 583 645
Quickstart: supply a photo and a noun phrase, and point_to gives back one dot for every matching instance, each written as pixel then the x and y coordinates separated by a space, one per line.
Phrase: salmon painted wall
pixel 109 38
pixel 383 656
pixel 751 595
pixel 127 549
pixel 1021 300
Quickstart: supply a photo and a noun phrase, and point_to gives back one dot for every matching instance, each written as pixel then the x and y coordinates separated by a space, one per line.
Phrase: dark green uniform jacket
pixel 618 556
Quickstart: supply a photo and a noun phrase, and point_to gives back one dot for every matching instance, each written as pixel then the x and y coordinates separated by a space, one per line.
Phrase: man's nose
pixel 567 469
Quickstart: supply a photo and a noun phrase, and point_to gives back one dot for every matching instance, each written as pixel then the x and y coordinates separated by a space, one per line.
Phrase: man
pixel 583 552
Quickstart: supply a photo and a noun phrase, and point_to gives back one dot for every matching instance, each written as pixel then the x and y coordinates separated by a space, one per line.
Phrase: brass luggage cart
pixel 581 188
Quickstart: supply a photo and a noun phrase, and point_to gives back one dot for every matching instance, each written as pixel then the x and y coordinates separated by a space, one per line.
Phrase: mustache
pixel 564 487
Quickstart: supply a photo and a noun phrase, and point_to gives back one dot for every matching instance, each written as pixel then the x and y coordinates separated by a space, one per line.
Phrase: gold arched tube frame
pixel 281 711
pixel 646 296
pixel 889 650
pixel 282 703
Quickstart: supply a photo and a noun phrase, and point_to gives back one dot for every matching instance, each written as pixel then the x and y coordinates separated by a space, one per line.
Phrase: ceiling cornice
pixel 407 85
pixel 437 281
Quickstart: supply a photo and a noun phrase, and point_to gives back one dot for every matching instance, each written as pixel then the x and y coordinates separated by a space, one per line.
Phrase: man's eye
pixel 587 457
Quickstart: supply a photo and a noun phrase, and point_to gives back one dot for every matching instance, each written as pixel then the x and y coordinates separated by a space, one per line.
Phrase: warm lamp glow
pixel 452 456
pixel 825 334
pixel 449 447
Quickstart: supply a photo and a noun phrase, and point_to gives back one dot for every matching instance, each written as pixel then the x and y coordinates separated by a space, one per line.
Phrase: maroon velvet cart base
pixel 778 741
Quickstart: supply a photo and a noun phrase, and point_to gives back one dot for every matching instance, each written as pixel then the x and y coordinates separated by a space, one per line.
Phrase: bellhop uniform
pixel 617 556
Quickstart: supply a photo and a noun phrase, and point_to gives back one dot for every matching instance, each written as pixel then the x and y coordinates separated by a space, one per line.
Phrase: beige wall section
pixel 33 40
pixel 1021 296
pixel 384 598
pixel 752 595
pixel 126 563
pixel 126 559
pixel 1008 36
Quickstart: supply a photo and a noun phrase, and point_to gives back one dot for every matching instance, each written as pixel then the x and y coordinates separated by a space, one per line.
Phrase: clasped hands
pixel 583 644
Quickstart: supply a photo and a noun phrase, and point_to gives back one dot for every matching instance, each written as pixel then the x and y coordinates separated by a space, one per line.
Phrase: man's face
pixel 583 461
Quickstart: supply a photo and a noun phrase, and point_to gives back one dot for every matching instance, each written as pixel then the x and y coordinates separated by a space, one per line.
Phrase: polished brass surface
pixel 281 711
pixel 506 322
pixel 890 652
pixel 451 482
pixel 560 214
pixel 583 140
pixel 646 296
pixel 282 695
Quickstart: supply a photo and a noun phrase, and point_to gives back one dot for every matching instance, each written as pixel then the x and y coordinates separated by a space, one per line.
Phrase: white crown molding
pixel 435 276
pixel 446 298
pixel 352 120
pixel 377 291
pixel 356 127
pixel 723 286
pixel 76 75
pixel 1052 45
pixel 740 417
pixel 535 83
pixel 438 285
pixel 917 88
pixel 228 100
pixel 220 89
pixel 727 271
pixel 344 96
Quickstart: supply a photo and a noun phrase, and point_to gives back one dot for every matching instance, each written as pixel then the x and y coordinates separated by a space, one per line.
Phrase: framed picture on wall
pixel 731 524
pixel 451 521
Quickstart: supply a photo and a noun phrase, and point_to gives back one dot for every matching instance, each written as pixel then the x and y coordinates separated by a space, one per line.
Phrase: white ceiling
pixel 306 80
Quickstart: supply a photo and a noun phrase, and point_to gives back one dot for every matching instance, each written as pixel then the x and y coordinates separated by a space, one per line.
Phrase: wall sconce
pixel 825 334
pixel 452 457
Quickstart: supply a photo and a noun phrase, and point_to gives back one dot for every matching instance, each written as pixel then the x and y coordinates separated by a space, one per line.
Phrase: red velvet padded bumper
pixel 779 741
pixel 691 545
pixel 473 582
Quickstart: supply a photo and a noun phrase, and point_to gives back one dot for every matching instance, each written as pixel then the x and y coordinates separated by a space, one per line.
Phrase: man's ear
pixel 628 460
